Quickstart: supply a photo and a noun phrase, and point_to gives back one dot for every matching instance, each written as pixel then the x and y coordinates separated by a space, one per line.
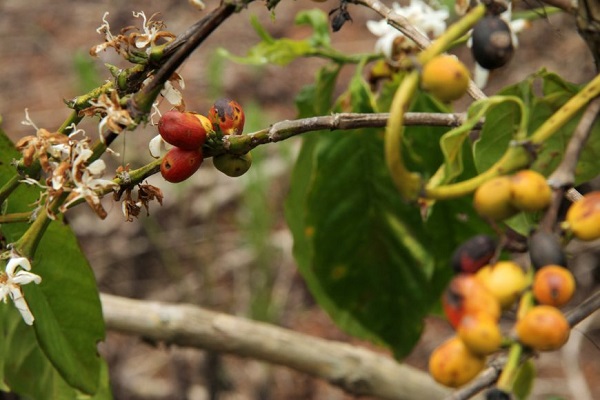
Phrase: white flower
pixel 156 145
pixel 172 94
pixel 197 4
pixel 88 183
pixel 169 91
pixel 114 118
pixel 152 32
pixel 10 285
pixel 109 39
pixel 427 20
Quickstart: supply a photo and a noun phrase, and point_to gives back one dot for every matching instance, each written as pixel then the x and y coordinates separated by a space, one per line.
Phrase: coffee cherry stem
pixel 515 157
pixel 515 352
pixel 509 372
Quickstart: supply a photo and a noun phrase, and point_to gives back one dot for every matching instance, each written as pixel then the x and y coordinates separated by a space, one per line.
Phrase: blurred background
pixel 221 242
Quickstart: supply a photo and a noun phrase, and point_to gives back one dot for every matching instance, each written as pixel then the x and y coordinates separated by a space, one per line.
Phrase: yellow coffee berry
pixel 530 191
pixel 445 77
pixel 493 199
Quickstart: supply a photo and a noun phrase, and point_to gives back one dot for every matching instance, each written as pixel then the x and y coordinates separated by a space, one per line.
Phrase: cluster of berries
pixel 188 132
pixel 528 191
pixel 483 290
pixel 504 196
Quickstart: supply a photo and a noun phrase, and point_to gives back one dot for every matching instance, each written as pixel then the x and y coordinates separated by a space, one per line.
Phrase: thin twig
pixel 139 104
pixel 343 121
pixel 584 310
pixel 483 381
pixel 564 175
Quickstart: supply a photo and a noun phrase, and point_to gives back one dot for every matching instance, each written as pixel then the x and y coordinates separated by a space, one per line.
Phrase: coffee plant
pixel 399 207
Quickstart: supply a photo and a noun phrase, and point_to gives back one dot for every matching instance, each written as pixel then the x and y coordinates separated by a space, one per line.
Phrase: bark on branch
pixel 356 370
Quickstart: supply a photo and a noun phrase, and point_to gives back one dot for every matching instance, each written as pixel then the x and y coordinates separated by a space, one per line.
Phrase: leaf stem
pixel 342 58
pixel 73 119
pixel 15 217
pixel 567 111
pixel 27 244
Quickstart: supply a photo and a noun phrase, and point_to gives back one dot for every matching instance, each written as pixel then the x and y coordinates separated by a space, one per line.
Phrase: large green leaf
pixel 313 100
pixel 525 378
pixel 27 369
pixel 369 258
pixel 66 305
pixel 500 125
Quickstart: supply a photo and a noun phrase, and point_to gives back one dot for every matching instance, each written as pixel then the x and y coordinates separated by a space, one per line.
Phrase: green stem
pixel 27 244
pixel 509 372
pixel 567 111
pixel 342 58
pixel 15 217
pixel 408 183
pixel 138 175
pixel 83 101
pixel 9 187
pixel 134 177
pixel 515 157
pixel 71 121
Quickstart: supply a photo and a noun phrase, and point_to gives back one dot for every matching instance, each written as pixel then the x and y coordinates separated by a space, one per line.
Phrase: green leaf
pixel 506 119
pixel 368 261
pixel 66 305
pixel 453 143
pixel 319 22
pixel 28 372
pixel 270 50
pixel 501 123
pixel 70 322
pixel 524 380
pixel 368 257
pixel 316 99
pixel 422 151
pixel 313 100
